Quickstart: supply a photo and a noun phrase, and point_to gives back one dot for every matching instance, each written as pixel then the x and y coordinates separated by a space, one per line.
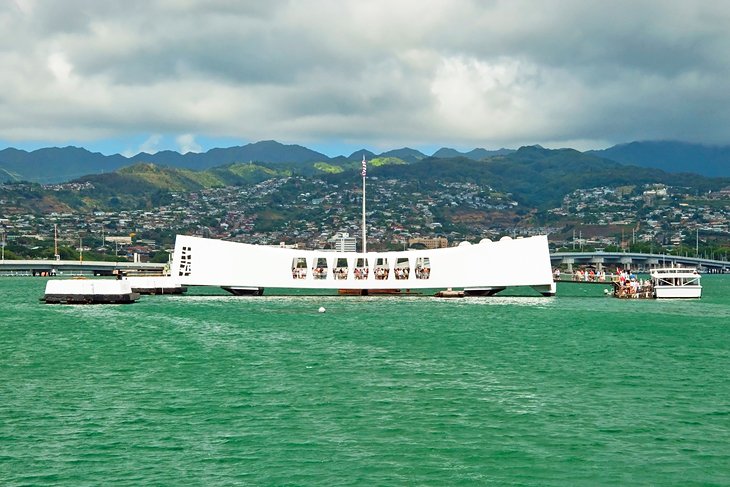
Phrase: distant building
pixel 343 242
pixel 119 240
pixel 429 243
pixel 147 243
pixel 284 245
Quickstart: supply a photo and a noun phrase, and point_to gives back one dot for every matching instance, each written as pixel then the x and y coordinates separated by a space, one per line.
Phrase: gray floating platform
pixel 89 291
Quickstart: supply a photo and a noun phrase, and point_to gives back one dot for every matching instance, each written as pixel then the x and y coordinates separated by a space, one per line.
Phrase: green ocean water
pixel 210 389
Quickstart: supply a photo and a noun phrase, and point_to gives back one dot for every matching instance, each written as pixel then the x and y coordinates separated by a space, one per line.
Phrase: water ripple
pixel 219 390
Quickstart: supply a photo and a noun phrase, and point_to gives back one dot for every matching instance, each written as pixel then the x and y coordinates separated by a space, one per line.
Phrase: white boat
pixel 483 268
pixel 676 282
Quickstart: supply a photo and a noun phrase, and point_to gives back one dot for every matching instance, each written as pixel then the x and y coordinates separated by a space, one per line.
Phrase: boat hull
pixel 677 292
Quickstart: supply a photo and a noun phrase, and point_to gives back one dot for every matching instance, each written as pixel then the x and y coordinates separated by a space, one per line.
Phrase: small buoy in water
pixel 321 309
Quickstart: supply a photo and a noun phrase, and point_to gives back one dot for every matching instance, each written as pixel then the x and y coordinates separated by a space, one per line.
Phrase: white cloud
pixel 151 145
pixel 461 72
pixel 60 67
pixel 186 143
pixel 25 6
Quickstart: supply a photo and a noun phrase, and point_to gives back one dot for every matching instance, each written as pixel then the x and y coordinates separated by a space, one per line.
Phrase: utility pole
pixel 3 245
pixel 697 242
pixel 55 242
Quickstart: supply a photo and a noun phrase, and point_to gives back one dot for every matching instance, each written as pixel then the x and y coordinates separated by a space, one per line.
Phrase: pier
pixel 635 261
pixel 69 267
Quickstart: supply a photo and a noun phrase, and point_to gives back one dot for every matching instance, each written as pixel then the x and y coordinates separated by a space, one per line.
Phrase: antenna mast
pixel 364 230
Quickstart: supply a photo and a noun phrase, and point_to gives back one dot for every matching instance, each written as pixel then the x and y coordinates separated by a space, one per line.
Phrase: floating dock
pixel 89 291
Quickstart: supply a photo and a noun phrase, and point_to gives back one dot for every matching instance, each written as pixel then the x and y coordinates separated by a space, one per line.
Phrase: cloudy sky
pixel 339 75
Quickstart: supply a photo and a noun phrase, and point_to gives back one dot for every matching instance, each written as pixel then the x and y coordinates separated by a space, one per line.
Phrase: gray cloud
pixel 462 72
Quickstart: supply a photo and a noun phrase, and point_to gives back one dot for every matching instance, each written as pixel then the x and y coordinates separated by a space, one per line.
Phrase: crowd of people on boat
pixel 628 285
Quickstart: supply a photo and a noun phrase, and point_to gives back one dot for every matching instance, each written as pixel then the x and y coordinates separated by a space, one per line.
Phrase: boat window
pixel 423 268
pixel 361 268
pixel 402 268
pixel 341 268
pixel 381 268
pixel 320 268
pixel 299 267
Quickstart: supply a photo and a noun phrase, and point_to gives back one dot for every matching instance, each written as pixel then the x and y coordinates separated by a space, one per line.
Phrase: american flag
pixel 364 166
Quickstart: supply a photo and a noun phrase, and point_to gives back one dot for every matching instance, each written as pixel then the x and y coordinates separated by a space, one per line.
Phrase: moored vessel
pixel 676 282
pixel 663 283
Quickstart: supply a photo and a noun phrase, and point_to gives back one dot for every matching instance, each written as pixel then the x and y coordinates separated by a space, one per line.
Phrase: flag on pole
pixel 364 166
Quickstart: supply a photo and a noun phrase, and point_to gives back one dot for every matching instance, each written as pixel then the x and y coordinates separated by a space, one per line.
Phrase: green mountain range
pixel 672 156
pixel 54 165
pixel 534 176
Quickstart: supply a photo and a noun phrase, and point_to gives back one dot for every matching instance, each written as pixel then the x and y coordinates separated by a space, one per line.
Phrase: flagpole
pixel 364 230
